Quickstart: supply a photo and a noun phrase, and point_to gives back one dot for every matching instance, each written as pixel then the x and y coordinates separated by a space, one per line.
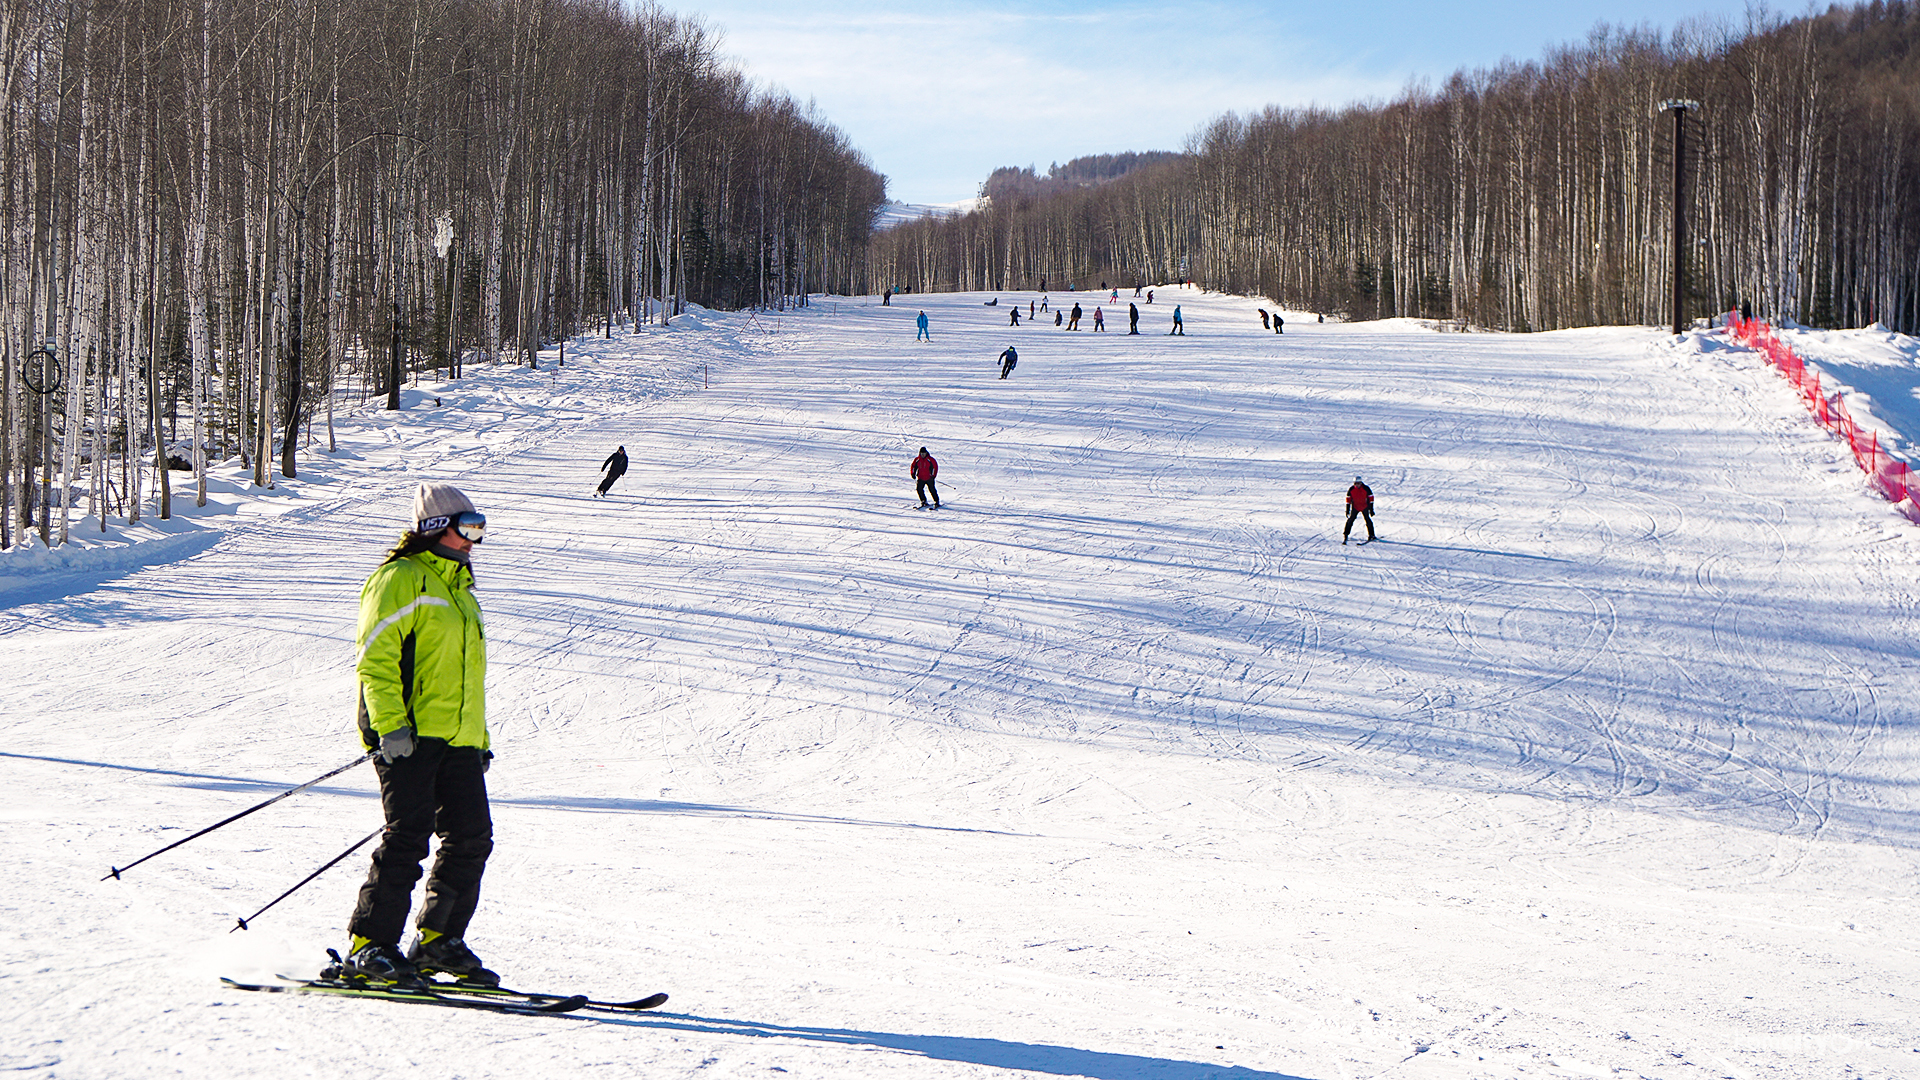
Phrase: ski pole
pixel 329 865
pixel 115 872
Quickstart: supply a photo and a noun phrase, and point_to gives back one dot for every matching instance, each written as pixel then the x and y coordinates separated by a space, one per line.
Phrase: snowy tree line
pixel 1529 196
pixel 219 216
pixel 1008 182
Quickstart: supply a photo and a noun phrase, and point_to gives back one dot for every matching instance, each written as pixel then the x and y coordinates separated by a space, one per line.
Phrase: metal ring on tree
pixel 42 377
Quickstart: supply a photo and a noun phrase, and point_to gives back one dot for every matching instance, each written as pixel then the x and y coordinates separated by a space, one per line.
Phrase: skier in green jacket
pixel 422 672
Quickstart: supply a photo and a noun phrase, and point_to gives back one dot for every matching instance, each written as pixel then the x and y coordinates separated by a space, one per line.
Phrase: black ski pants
pixel 923 488
pixel 1353 512
pixel 611 477
pixel 436 790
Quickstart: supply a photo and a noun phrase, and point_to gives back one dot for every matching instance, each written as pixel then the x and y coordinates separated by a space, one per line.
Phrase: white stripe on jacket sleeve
pixel 382 626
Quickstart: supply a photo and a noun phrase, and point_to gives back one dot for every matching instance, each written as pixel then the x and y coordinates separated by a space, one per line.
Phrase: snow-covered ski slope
pixel 1601 762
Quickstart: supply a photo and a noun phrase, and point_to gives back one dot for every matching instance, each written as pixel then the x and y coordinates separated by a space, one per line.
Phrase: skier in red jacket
pixel 923 470
pixel 1359 504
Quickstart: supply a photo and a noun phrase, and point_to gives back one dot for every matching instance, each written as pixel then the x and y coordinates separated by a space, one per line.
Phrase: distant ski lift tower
pixel 1678 107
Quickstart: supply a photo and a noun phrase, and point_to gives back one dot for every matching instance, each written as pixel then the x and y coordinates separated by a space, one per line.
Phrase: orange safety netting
pixel 1889 475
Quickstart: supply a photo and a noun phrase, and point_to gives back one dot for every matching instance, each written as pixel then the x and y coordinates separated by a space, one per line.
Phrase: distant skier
pixel 1115 298
pixel 922 332
pixel 886 297
pixel 1133 318
pixel 1056 317
pixel 1099 320
pixel 1007 360
pixel 1073 319
pixel 616 467
pixel 1178 326
pixel 923 470
pixel 1278 323
pixel 1359 504
pixel 1149 296
pixel 1030 310
pixel 1013 315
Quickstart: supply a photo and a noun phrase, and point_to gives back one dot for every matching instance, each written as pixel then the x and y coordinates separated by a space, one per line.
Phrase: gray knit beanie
pixel 434 504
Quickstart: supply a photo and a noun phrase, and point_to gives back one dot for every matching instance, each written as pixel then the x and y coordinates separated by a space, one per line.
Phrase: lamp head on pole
pixel 1678 105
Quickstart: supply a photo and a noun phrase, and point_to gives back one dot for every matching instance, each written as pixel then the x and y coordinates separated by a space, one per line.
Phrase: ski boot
pixel 450 955
pixel 376 963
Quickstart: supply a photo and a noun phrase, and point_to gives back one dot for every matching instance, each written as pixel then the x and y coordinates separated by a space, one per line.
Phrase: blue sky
pixel 940 95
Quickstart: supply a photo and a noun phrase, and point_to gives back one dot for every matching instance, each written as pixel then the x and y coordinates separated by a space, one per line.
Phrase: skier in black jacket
pixel 616 466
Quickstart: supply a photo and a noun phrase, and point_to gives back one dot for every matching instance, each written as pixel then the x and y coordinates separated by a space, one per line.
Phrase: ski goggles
pixel 471 524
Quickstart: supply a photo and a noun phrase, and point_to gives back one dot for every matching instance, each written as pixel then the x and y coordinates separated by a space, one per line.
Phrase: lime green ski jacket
pixel 423 652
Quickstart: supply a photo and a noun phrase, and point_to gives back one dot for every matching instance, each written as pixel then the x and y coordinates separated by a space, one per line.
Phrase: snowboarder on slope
pixel 922 331
pixel 1099 320
pixel 1007 360
pixel 1178 326
pixel 1073 319
pixel 616 467
pixel 1278 323
pixel 923 470
pixel 1133 318
pixel 422 688
pixel 1359 504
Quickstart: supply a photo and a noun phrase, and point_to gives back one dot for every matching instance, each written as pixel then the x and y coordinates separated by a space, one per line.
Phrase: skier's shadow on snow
pixel 659 806
pixel 992 1053
pixel 210 782
pixel 1471 550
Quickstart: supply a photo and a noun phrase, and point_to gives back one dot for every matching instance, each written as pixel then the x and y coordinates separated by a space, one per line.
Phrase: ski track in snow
pixel 1600 762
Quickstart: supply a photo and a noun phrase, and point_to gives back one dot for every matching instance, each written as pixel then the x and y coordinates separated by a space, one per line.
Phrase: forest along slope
pixel 1121 764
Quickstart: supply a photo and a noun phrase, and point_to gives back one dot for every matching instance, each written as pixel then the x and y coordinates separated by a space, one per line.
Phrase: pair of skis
pixel 457 995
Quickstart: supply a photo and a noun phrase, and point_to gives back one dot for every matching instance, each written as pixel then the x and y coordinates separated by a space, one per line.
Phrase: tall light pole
pixel 1678 107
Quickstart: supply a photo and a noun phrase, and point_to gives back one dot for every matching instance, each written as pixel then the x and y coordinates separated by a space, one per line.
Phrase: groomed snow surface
pixel 1600 763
